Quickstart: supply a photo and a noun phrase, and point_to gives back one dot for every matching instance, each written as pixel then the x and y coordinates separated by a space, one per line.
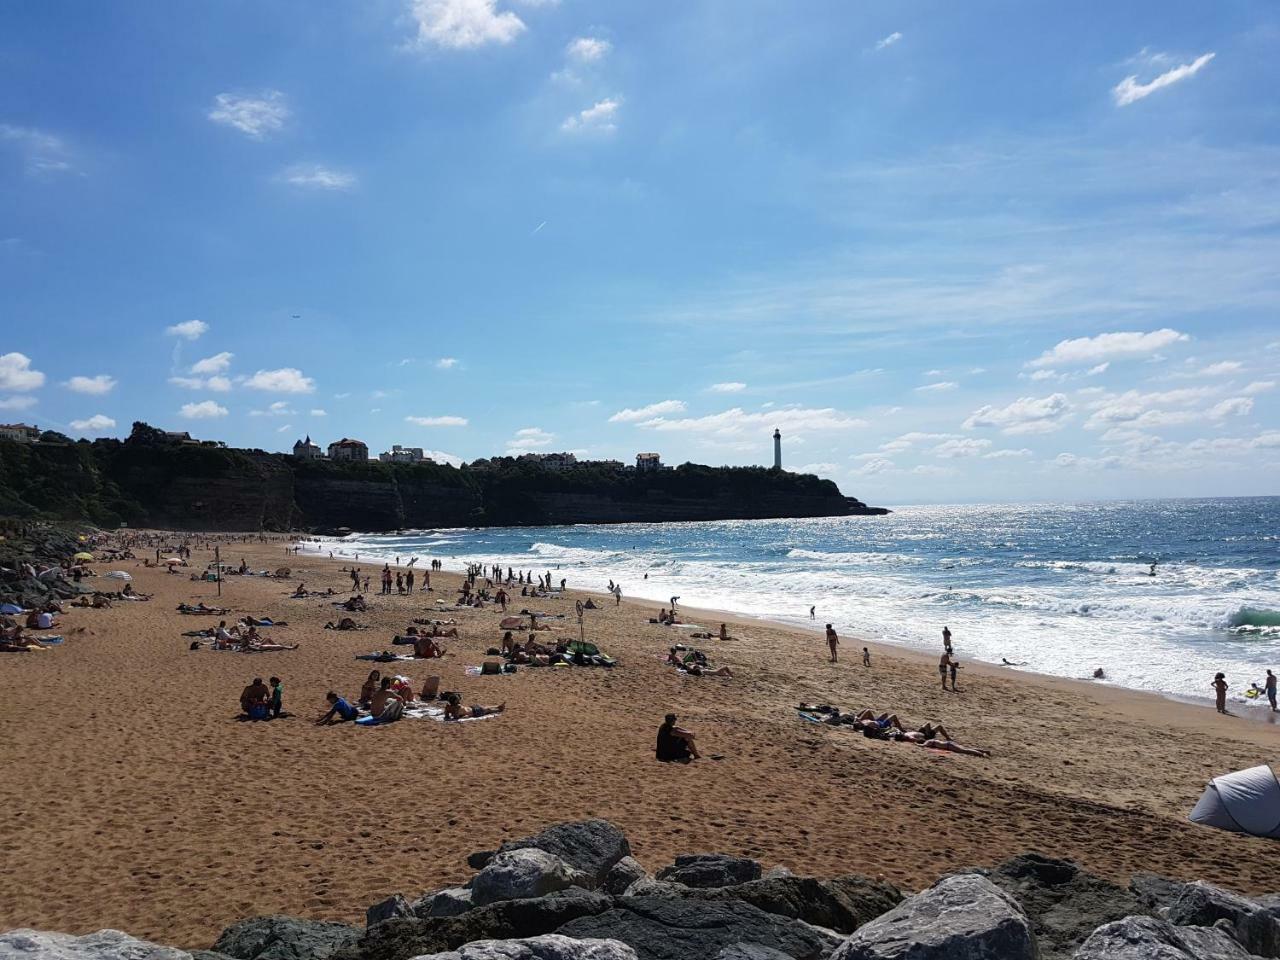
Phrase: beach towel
pixel 478 671
pixel 53 640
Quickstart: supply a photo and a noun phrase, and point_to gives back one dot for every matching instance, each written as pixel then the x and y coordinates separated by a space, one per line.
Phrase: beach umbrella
pixel 173 560
pixel 83 556
pixel 119 575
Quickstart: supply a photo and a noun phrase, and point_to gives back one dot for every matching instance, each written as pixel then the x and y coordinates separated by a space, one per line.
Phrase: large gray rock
pixel 592 846
pixel 27 944
pixel 1150 938
pixel 710 870
pixel 506 920
pixel 284 938
pixel 523 873
pixel 551 947
pixel 962 917
pixel 1153 891
pixel 661 928
pixel 394 906
pixel 1203 905
pixel 622 875
pixel 444 903
pixel 750 951
pixel 1064 903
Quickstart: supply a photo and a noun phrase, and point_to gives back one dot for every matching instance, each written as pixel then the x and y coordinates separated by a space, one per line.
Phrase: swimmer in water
pixel 1099 675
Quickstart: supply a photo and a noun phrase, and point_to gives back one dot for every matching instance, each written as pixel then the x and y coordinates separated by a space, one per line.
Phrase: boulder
pixel 750 951
pixel 843 904
pixel 402 938
pixel 710 870
pixel 1203 905
pixel 522 873
pixel 1153 891
pixel 961 917
pixel 104 945
pixel 1064 903
pixel 394 906
pixel 622 875
pixel 1150 938
pixel 591 846
pixel 480 859
pixel 444 903
pixel 284 938
pixel 209 955
pixel 551 947
pixel 673 928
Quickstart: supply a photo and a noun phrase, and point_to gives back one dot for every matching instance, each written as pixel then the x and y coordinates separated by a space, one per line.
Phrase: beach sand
pixel 136 800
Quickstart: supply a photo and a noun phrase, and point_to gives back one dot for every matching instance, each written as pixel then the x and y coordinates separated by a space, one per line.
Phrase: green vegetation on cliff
pixel 152 480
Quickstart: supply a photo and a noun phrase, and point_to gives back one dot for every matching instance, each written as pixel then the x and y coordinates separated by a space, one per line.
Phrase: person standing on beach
pixel 953 667
pixel 1220 687
pixel 1270 687
pixel 946 639
pixel 866 657
pixel 833 642
pixel 943 664
pixel 813 611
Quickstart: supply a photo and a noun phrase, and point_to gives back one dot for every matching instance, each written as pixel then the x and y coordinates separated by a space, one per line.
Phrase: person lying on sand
pixel 13 640
pixel 346 623
pixel 454 710
pixel 701 670
pixel 882 722
pixel 675 745
pixel 263 646
pixel 252 621
pixel 339 711
pixel 200 608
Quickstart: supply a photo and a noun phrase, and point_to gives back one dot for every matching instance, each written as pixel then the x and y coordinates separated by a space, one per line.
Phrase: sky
pixel 991 251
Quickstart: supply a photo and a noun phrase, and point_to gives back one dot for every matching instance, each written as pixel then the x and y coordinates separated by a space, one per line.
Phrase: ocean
pixel 1056 588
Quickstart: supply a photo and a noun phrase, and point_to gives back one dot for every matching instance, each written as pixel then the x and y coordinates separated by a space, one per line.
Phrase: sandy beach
pixel 137 800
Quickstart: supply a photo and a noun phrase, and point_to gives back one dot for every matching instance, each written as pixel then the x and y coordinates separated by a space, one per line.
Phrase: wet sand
pixel 137 800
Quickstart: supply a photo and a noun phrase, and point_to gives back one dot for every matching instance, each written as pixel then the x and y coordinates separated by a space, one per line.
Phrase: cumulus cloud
pixel 529 438
pixel 17 375
pixel 1139 409
pixel 1222 369
pixel 445 421
pixel 630 415
pixel 1257 387
pixel 317 412
pixel 908 440
pixel 446 363
pixel 600 117
pixel 204 410
pixel 284 380
pixel 313 176
pixel 188 329
pixel 732 386
pixel 218 363
pixel 738 421
pixel 1006 454
pixel 965 447
pixel 888 41
pixel 872 467
pixel 95 386
pixel 940 387
pixel 94 424
pixel 43 153
pixel 1233 407
pixel 1108 346
pixel 254 115
pixel 216 384
pixel 277 409
pixel 1131 90
pixel 17 403
pixel 462 24
pixel 1024 415
pixel 588 49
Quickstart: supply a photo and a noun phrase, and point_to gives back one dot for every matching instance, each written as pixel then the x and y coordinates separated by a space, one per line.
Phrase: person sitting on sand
pixel 675 745
pixel 386 704
pixel 339 711
pixel 301 592
pixel 454 710
pixel 724 632
pixel 40 621
pixel 254 699
pixel 370 687
pixel 508 644
pixel 426 647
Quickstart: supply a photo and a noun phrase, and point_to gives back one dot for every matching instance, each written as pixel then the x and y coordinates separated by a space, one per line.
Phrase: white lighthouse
pixel 777 449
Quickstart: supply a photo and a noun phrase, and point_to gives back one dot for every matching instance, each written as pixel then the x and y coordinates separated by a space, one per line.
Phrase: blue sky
pixel 993 251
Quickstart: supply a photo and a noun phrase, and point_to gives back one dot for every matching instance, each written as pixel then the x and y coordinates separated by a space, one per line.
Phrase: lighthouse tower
pixel 777 449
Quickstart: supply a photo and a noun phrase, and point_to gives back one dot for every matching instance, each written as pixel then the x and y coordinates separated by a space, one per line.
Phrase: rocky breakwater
pixel 573 892
pixel 30 558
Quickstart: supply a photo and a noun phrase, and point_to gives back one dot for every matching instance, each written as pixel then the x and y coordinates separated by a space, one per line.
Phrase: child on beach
pixel 866 657
pixel 1220 688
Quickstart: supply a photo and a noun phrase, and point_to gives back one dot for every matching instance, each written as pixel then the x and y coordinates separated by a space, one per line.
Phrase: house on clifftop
pixel 306 450
pixel 346 449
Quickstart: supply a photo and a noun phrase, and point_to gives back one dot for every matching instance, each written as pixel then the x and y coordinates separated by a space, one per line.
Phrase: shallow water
pixel 1060 588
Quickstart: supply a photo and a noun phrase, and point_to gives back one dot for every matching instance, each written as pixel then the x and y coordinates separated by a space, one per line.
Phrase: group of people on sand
pixel 1267 690
pixel 260 702
pixel 244 637
pixel 887 726
pixel 386 698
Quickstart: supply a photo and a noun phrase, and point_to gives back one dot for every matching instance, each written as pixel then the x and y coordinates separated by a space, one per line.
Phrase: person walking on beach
pixel 833 642
pixel 813 611
pixel 946 639
pixel 1220 687
pixel 1270 687
pixel 866 657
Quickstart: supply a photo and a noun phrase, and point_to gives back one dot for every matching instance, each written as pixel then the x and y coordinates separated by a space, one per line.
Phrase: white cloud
pixel 821 469
pixel 929 470
pixel 1039 375
pixel 93 424
pixel 1138 409
pixel 462 24
pixel 95 386
pixel 888 41
pixel 1233 407
pixel 43 153
pixel 16 373
pixel 204 410
pixel 17 403
pixel 317 412
pixel 284 380
pixel 872 467
pixel 1024 415
pixel 933 373
pixel 940 387
pixel 600 117
pixel 254 115
pixel 965 447
pixel 277 409
pixel 218 363
pixel 1222 369
pixel 285 428
pixel 1069 461
pixel 1006 454
pixel 1130 90
pixel 438 421
pixel 216 384
pixel 188 330
pixel 446 363
pixel 732 386
pixel 313 176
pixel 1108 346
pixel 908 440
pixel 529 438
pixel 1258 386
pixel 738 421
pixel 637 414
pixel 588 49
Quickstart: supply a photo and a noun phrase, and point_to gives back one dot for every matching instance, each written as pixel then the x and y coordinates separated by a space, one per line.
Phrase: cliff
pixel 148 481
